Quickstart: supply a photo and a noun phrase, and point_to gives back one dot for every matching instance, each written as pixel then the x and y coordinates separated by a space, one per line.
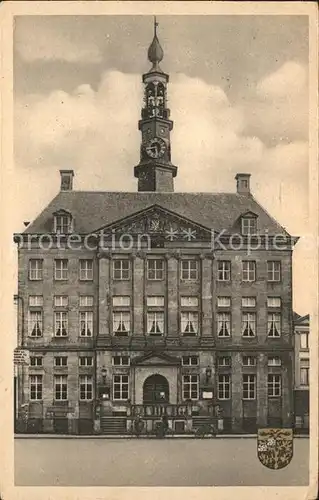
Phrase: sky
pixel 238 95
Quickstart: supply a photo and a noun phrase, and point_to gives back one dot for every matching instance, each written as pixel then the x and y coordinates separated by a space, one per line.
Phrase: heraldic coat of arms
pixel 275 447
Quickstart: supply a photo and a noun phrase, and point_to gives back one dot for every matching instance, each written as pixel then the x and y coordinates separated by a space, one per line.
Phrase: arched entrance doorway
pixel 156 389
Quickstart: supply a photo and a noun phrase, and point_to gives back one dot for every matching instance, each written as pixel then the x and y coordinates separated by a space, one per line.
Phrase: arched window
pixel 63 222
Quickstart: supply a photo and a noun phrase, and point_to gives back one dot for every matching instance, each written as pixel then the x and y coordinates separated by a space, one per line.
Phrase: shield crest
pixel 275 447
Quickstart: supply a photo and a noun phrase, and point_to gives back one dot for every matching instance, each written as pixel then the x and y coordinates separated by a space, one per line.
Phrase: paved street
pixel 170 462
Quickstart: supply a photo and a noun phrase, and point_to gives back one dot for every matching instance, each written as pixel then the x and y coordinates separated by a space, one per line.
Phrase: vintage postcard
pixel 160 245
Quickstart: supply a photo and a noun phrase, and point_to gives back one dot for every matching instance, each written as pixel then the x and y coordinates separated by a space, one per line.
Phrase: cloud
pixel 277 110
pixel 39 41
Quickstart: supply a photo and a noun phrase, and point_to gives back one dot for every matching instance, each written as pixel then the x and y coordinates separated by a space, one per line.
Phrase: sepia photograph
pixel 163 250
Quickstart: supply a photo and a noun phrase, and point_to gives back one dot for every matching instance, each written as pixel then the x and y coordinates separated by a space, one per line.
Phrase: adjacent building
pixel 302 373
pixel 155 301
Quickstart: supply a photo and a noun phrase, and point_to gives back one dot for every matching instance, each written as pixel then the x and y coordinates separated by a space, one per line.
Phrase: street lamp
pixel 208 373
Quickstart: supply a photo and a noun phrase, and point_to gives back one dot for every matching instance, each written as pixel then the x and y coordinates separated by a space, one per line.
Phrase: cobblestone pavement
pixel 170 462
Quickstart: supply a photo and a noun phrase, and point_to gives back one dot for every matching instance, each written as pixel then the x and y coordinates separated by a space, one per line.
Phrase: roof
pixel 301 320
pixel 92 210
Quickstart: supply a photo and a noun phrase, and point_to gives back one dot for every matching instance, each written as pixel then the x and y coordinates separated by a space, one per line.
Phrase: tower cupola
pixel 155 171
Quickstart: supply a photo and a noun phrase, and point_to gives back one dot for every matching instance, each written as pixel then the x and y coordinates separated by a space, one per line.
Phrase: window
pixel 248 302
pixel 86 323
pixel 249 361
pixel 223 387
pixel 121 301
pixel 121 269
pixel 189 301
pixel 249 386
pixel 223 324
pixel 273 271
pixel 86 387
pixel 223 301
pixel 224 361
pixel 189 323
pixel 274 324
pixel 155 269
pixel 120 387
pixel 121 361
pixel 35 300
pixel 155 323
pixel 190 387
pixel 190 360
pixel 61 301
pixel 121 323
pixel 248 225
pixel 274 361
pixel 85 361
pixel 36 361
pixel 35 323
pixel 35 269
pixel 36 385
pixel 61 323
pixel 86 269
pixel 61 361
pixel 155 301
pixel 86 301
pixel 274 385
pixel 63 223
pixel 61 269
pixel 249 270
pixel 274 302
pixel 223 270
pixel 189 269
pixel 61 387
pixel 304 340
pixel 304 372
pixel 248 324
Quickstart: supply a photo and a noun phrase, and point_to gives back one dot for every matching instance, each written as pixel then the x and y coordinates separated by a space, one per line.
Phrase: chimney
pixel 243 183
pixel 66 180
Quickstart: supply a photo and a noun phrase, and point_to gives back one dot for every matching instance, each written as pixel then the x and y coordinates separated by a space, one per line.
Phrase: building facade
pixel 302 372
pixel 155 301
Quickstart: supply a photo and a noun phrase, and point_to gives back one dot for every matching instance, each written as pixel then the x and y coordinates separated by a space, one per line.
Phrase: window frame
pixel 224 267
pixel 251 320
pixel 250 273
pixel 86 387
pixel 157 271
pixel 62 381
pixel 86 359
pixel 188 322
pixel 64 271
pixel 121 333
pixel 38 269
pixel 61 314
pixel 86 269
pixel 88 322
pixel 224 386
pixel 60 364
pixel 246 231
pixel 188 271
pixel 249 385
pixel 188 385
pixel 273 271
pixel 223 322
pixel 39 322
pixel 274 324
pixel 273 386
pixel 121 269
pixel 36 386
pixel 117 380
pixel 189 357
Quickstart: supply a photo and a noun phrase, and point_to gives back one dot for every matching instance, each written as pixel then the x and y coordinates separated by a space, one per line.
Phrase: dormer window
pixel 62 222
pixel 249 224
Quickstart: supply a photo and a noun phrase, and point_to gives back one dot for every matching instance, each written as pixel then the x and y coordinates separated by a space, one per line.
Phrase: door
pixel 156 390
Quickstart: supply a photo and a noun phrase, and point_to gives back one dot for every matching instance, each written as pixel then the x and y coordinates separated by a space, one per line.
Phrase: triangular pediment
pixel 158 221
pixel 156 359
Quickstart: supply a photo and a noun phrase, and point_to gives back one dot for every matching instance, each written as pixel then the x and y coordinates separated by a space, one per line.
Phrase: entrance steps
pixel 113 425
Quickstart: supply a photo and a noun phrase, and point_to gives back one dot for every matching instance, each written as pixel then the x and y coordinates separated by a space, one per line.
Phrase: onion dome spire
pixel 155 52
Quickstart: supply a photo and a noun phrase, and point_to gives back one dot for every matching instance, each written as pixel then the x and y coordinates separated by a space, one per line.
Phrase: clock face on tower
pixel 155 148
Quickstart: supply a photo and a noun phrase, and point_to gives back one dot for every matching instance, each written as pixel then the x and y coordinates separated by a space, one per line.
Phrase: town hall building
pixel 149 302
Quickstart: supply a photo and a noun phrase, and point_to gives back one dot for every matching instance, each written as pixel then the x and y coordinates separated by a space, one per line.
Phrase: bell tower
pixel 155 171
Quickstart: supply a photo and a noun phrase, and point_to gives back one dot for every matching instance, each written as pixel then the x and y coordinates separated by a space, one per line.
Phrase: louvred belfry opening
pixel 155 171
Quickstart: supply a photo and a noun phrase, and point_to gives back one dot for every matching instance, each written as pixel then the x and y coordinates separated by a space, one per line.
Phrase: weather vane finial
pixel 155 26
